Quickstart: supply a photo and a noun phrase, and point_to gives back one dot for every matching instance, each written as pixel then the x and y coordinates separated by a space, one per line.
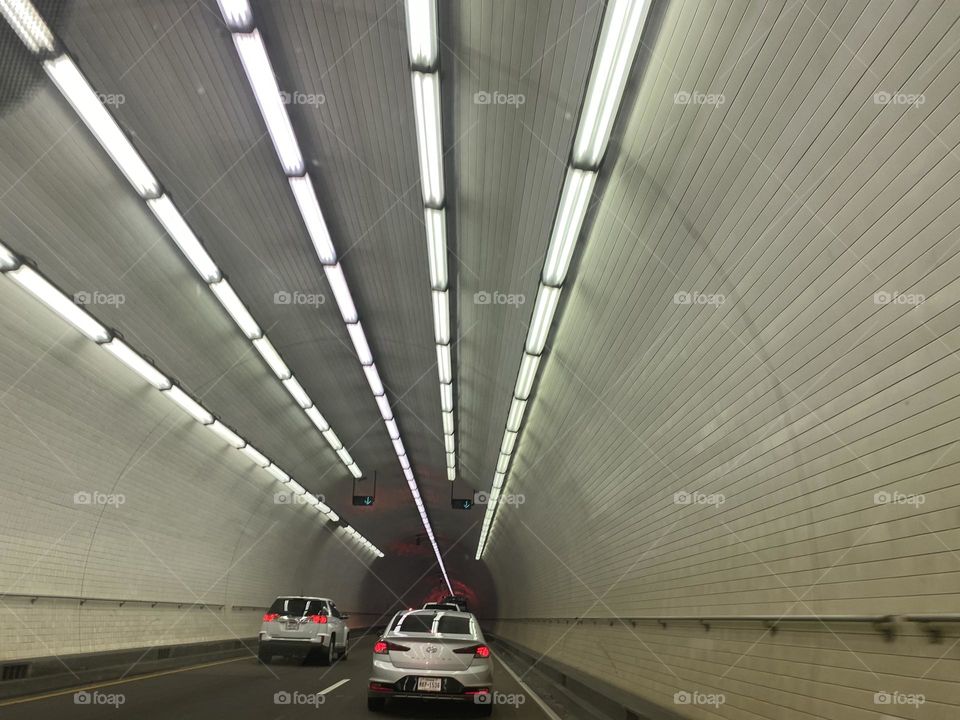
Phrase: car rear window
pixel 453 625
pixel 417 622
pixel 298 607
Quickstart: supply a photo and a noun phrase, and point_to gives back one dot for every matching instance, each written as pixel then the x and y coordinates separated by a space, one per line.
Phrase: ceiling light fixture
pixel 263 82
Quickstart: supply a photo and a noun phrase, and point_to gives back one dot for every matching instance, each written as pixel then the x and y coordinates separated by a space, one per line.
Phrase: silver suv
pixel 298 626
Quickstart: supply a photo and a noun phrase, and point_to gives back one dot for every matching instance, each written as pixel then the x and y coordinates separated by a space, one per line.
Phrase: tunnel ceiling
pixel 173 80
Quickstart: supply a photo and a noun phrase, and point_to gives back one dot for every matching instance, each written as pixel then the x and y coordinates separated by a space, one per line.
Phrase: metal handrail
pixel 34 597
pixel 882 623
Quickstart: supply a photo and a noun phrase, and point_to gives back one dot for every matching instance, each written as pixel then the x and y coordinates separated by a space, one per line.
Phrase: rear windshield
pixel 418 622
pixel 453 625
pixel 298 607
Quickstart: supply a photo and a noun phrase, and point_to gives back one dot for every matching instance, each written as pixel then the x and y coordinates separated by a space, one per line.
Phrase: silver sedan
pixel 434 655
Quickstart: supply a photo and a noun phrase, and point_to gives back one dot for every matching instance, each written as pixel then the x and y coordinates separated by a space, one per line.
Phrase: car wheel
pixel 486 710
pixel 343 655
pixel 376 704
pixel 328 652
pixel 263 656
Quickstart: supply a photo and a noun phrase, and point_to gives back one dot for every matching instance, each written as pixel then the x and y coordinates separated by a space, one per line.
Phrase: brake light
pixel 270 617
pixel 480 651
pixel 382 647
pixel 319 619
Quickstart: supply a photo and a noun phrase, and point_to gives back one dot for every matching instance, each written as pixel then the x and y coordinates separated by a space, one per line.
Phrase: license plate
pixel 429 684
pixel 293 626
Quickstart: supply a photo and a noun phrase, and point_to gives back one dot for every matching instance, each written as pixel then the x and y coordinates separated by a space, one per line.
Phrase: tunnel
pixel 554 359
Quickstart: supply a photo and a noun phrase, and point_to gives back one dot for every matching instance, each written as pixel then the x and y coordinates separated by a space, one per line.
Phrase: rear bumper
pixel 291 646
pixel 474 695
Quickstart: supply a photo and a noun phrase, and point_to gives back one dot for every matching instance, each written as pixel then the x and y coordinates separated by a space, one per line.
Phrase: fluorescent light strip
pixel 360 343
pixel 259 72
pixel 441 317
pixel 319 420
pixel 297 392
pixel 317 229
pixel 446 397
pixel 341 293
pixel 574 202
pixel 436 224
pixel 236 14
pixel 543 312
pixel 27 23
pixel 31 281
pixel 129 357
pixel 270 355
pixel 87 104
pixel 75 88
pixel 256 63
pixel 233 305
pixel 8 260
pixel 623 24
pixel 227 434
pixel 191 406
pixel 255 455
pixel 426 106
pixel 42 289
pixel 526 376
pixel 183 236
pixel 444 368
pixel 422 33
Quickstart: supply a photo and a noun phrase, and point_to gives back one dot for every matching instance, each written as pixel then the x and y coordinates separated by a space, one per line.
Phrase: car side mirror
pixel 344 616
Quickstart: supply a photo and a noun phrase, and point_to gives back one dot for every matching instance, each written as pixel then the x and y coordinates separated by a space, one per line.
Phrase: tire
pixel 327 655
pixel 263 657
pixel 343 655
pixel 376 704
pixel 486 710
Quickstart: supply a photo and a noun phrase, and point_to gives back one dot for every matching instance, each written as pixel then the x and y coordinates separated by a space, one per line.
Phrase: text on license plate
pixel 429 684
pixel 293 626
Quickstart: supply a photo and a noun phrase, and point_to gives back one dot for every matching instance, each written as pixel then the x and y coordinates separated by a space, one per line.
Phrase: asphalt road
pixel 242 688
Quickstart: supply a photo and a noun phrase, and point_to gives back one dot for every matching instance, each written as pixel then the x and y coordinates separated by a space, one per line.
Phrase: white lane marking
pixel 526 688
pixel 335 686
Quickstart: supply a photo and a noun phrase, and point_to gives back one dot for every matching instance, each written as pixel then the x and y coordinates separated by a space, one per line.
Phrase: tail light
pixel 480 651
pixel 382 647
pixel 270 617
pixel 319 619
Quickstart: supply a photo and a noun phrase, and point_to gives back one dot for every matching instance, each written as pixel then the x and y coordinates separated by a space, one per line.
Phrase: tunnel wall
pixel 197 523
pixel 778 334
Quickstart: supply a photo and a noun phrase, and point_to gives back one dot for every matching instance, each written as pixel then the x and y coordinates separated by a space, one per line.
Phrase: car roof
pixel 301 597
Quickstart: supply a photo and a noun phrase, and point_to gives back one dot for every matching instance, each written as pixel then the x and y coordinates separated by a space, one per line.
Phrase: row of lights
pixel 46 292
pixel 424 60
pixel 238 16
pixel 36 35
pixel 68 78
pixel 619 37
